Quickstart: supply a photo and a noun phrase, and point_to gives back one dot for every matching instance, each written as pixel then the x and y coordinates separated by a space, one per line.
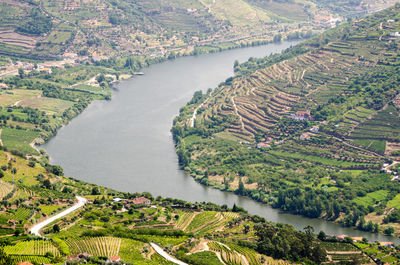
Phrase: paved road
pixel 165 255
pixel 37 227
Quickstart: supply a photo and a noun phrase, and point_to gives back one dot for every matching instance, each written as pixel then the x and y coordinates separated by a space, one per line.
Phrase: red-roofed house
pixel 141 200
pixel 25 263
pixel 113 259
pixel 341 237
pixel 79 256
pixel 12 221
pixel 262 145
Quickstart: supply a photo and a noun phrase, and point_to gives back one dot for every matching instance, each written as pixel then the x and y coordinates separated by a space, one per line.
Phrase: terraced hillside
pixel 316 118
pixel 101 28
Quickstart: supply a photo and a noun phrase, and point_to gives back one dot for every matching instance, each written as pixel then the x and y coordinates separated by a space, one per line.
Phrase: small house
pixel 79 256
pixel 301 115
pixel 141 201
pixel 113 259
pixel 314 129
pixel 386 244
pixel 356 238
pixel 262 145
pixel 24 263
pixel 12 221
pixel 341 237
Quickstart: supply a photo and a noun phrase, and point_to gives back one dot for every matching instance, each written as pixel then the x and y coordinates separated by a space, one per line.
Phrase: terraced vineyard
pixel 97 246
pixel 206 222
pixel 21 214
pixel 32 248
pixel 236 255
pixel 327 107
pixel 33 258
pixel 5 188
pixel 385 125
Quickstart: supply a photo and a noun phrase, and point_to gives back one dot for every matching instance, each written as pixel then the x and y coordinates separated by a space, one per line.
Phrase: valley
pixel 278 164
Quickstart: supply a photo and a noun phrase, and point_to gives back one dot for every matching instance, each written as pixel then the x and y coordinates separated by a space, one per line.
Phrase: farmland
pixel 102 246
pixel 15 139
pixel 34 248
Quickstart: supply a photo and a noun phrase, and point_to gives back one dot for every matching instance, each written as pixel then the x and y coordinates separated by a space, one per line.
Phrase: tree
pixel 246 229
pixel 100 78
pixel 389 230
pixel 318 254
pixel 47 183
pixel 95 191
pixel 322 236
pixel 241 190
pixel 21 72
pixel 309 230
pixel 56 228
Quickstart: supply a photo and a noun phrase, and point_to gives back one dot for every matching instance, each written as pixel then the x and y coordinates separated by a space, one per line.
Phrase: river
pixel 126 144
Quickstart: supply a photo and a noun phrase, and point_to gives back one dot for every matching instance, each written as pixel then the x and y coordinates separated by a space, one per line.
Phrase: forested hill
pixel 102 29
pixel 308 130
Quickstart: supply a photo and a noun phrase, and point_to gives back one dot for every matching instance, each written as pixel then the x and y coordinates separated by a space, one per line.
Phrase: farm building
pixel 80 256
pixel 314 129
pixel 113 259
pixel 386 244
pixel 262 145
pixel 25 263
pixel 301 115
pixel 12 221
pixel 141 201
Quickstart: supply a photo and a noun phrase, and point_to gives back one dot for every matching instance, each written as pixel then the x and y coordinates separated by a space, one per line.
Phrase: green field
pixel 395 202
pixel 19 140
pixel 371 198
pixel 376 145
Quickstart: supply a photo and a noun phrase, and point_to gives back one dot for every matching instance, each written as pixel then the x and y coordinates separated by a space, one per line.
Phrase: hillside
pixel 127 226
pixel 101 29
pixel 311 131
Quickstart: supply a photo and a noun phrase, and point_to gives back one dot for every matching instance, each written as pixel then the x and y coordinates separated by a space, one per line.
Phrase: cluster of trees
pixel 393 217
pixel 284 242
pixel 36 24
pixel 35 116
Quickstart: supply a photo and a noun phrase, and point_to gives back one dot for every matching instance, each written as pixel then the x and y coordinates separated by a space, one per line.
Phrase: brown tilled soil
pixel 13 38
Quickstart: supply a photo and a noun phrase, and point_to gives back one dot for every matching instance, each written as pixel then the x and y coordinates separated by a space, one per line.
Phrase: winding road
pixel 37 227
pixel 165 255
